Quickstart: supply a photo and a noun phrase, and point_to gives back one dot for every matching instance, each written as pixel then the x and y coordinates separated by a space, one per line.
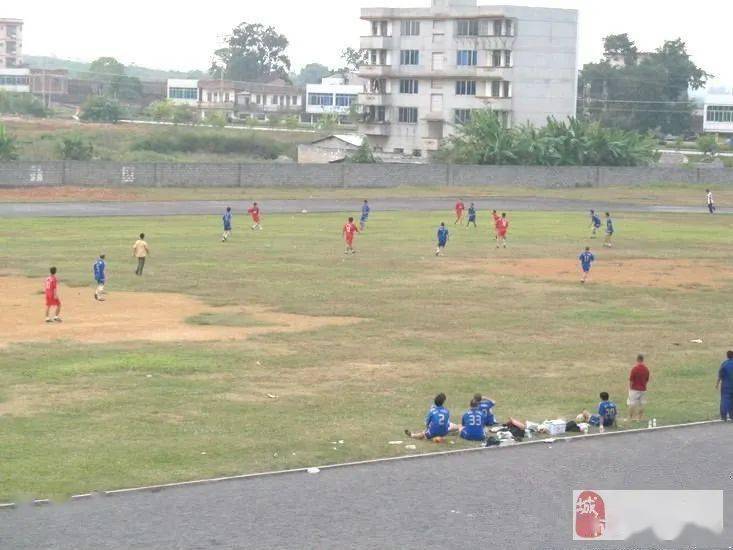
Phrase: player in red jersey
pixel 495 215
pixel 502 227
pixel 349 231
pixel 254 211
pixel 460 211
pixel 52 297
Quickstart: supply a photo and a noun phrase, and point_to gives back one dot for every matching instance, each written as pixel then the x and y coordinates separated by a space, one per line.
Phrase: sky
pixel 171 35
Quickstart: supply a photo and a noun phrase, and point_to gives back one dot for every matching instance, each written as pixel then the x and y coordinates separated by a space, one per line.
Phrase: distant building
pixel 335 95
pixel 335 148
pixel 262 101
pixel 15 80
pixel 718 117
pixel 430 68
pixel 183 91
pixel 11 43
pixel 49 85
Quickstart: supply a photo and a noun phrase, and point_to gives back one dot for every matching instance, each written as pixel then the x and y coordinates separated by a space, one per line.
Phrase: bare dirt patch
pixel 67 194
pixel 132 316
pixel 657 273
pixel 29 400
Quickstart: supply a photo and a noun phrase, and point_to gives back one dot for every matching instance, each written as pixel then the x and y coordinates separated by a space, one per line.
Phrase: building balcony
pixel 372 42
pixel 497 103
pixel 374 128
pixel 373 71
pixel 376 100
pixel 431 144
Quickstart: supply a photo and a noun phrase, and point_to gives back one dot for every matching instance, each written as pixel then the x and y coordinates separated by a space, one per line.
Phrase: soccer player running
pixel 349 231
pixel 472 423
pixel 502 228
pixel 442 239
pixel 52 297
pixel 254 211
pixel 472 216
pixel 496 217
pixel 609 231
pixel 710 201
pixel 595 223
pixel 460 212
pixel 365 211
pixel 586 262
pixel 100 277
pixel 437 421
pixel 227 220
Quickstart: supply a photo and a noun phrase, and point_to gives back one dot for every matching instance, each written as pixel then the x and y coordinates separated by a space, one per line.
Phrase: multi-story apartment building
pixel 428 69
pixel 11 43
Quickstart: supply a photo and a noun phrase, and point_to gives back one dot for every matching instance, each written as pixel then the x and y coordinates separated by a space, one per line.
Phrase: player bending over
pixel 349 231
pixel 52 297
pixel 502 228
pixel 471 215
pixel 437 421
pixel 442 239
pixel 586 262
pixel 365 211
pixel 227 219
pixel 100 277
pixel 595 223
pixel 254 211
pixel 609 231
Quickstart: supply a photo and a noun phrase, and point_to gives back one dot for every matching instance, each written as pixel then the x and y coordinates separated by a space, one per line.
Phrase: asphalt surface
pixel 517 497
pixel 177 208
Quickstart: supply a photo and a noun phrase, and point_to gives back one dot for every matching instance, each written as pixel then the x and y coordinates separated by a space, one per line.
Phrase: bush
pixel 216 119
pixel 210 142
pixel 184 115
pixel 21 104
pixel 363 155
pixel 161 110
pixel 292 122
pixel 707 144
pixel 8 145
pixel 75 148
pixel 101 109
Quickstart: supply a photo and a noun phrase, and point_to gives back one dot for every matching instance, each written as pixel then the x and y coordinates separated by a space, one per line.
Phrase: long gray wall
pixel 114 174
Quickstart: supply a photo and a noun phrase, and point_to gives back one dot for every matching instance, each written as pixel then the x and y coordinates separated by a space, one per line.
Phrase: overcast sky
pixel 181 35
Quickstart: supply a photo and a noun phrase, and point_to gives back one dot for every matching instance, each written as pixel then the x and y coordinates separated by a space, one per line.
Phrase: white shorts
pixel 636 398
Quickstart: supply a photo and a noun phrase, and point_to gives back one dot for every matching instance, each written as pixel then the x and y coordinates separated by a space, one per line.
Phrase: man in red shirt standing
pixel 52 297
pixel 460 209
pixel 502 227
pixel 638 380
pixel 349 231
pixel 254 211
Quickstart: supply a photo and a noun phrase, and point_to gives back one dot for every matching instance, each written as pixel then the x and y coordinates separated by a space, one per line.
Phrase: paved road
pixel 175 208
pixel 500 498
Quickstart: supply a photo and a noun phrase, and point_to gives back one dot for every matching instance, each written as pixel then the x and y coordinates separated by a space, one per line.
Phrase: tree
pixel 254 52
pixel 363 155
pixel 216 119
pixel 353 58
pixel 620 45
pixel 101 109
pixel 8 145
pixel 328 122
pixel 161 110
pixel 184 115
pixel 75 148
pixel 708 145
pixel 106 66
pixel 311 74
pixel 125 88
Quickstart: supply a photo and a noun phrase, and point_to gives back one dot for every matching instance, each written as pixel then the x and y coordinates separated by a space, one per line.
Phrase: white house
pixel 335 95
pixel 15 80
pixel 183 91
pixel 718 114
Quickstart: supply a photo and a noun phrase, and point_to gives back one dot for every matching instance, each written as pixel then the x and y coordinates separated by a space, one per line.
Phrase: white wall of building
pixel 11 43
pixel 337 89
pixel 15 80
pixel 187 88
pixel 718 116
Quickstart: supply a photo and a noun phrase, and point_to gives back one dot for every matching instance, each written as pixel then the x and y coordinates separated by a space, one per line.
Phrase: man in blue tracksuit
pixel 227 220
pixel 442 239
pixel 725 385
pixel 100 277
pixel 365 211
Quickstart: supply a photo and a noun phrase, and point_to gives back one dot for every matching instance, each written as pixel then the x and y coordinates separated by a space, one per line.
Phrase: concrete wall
pixel 114 174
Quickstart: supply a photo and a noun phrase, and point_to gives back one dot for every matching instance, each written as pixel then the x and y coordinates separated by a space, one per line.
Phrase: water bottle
pixel 650 424
pixel 601 428
pixel 528 433
pixel 654 423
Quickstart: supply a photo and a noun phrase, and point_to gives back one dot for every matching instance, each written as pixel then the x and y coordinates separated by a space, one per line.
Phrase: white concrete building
pixel 718 116
pixel 11 43
pixel 183 91
pixel 335 95
pixel 429 68
pixel 15 80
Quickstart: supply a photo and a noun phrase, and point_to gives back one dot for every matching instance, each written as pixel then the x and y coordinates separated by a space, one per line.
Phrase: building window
pixel 399 150
pixel 295 100
pixel 407 114
pixel 410 57
pixel 506 89
pixel 462 116
pixel 173 93
pixel 345 100
pixel 408 86
pixel 378 86
pixel 379 28
pixel 377 57
pixel 496 88
pixel 498 26
pixel 496 58
pixel 467 58
pixel 719 113
pixel 409 28
pixel 375 114
pixel 320 99
pixel 466 87
pixel 467 27
pixel 509 27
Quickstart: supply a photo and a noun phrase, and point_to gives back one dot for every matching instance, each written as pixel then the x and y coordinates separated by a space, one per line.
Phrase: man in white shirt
pixel 711 202
pixel 140 251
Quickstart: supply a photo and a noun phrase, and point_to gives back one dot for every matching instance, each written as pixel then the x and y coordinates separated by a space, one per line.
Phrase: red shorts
pixel 256 219
pixel 502 234
pixel 51 301
pixel 349 240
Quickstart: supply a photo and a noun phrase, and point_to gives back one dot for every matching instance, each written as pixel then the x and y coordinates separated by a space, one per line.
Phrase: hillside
pixel 79 69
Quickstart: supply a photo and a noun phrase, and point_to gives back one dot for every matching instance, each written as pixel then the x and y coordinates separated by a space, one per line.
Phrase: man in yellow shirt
pixel 140 251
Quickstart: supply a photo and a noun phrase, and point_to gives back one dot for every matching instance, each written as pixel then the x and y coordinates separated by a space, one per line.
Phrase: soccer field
pixel 265 352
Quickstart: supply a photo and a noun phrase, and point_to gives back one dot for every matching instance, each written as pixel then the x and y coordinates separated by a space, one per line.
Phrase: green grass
pixel 91 417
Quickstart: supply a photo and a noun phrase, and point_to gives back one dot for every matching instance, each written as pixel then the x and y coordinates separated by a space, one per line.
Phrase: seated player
pixel 487 409
pixel 607 410
pixel 472 424
pixel 437 422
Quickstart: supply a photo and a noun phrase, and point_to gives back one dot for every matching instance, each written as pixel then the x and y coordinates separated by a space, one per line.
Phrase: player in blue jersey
pixel 365 211
pixel 486 406
pixel 586 262
pixel 609 231
pixel 472 424
pixel 472 216
pixel 595 223
pixel 100 277
pixel 442 239
pixel 725 385
pixel 437 421
pixel 607 410
pixel 227 219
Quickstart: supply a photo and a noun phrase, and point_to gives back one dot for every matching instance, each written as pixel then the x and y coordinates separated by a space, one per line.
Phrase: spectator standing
pixel 725 385
pixel 638 381
pixel 140 251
